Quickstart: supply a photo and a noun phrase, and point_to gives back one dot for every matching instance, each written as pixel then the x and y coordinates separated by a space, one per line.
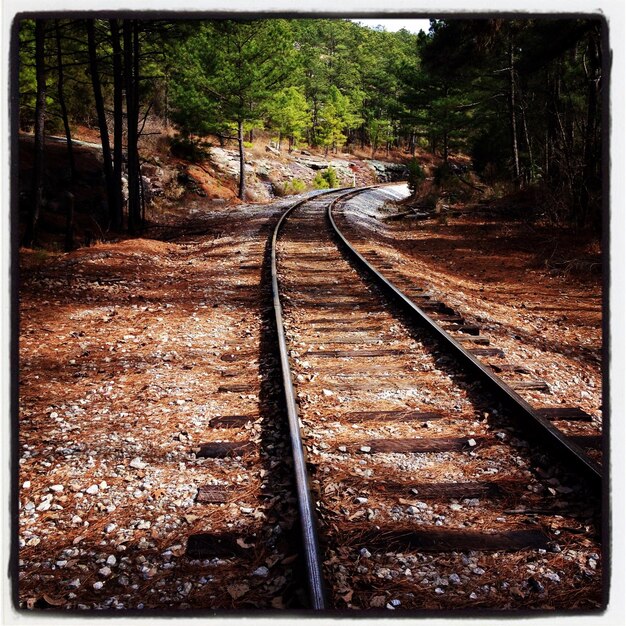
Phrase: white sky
pixel 392 25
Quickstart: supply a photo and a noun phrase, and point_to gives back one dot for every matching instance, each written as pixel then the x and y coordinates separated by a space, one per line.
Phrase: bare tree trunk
pixel 512 105
pixel 529 146
pixel 118 125
pixel 102 121
pixel 61 93
pixel 40 118
pixel 242 162
pixel 130 79
pixel 592 140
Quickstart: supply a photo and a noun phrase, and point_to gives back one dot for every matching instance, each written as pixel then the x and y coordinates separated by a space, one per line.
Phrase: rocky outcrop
pixel 266 175
pixel 389 172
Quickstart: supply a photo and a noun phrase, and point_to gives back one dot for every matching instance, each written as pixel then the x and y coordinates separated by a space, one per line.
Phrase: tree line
pixel 523 98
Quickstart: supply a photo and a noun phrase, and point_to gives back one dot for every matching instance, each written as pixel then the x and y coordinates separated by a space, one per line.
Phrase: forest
pixel 521 98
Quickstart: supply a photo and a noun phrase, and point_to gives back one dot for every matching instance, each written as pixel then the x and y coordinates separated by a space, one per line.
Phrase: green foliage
pixel 337 116
pixel 326 179
pixel 292 187
pixel 288 113
pixel 188 148
pixel 229 70
pixel 416 175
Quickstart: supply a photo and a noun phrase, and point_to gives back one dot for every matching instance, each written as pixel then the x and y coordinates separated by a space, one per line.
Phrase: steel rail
pixel 558 441
pixel 317 587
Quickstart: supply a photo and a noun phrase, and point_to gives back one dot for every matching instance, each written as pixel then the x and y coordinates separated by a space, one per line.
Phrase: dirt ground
pixel 121 362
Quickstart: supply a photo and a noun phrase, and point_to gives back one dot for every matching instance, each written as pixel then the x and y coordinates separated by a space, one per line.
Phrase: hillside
pixel 176 187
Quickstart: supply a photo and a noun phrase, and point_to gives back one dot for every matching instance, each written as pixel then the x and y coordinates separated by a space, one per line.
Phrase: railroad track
pixel 424 480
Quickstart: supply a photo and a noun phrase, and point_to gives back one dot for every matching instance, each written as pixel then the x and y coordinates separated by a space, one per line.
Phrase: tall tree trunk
pixel 136 55
pixel 102 121
pixel 242 162
pixel 591 184
pixel 529 147
pixel 118 125
pixel 134 199
pixel 40 118
pixel 61 93
pixel 513 116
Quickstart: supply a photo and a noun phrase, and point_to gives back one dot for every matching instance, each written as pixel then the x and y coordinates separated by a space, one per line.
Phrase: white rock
pixel 365 552
pixel 109 528
pixel 261 571
pixel 327 392
pixel 92 490
pixel 137 463
pixel 412 510
pixel 77 519
pixel 105 571
pixel 26 484
pixel 456 507
pixel 74 584
pixel 111 560
pixel 56 488
pixel 98 585
pixel 365 449
pixel 44 505
pixel 471 442
pixel 360 500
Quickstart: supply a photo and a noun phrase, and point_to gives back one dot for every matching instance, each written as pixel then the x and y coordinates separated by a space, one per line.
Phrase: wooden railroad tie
pixel 468 329
pixel 508 367
pixel 487 352
pixel 440 490
pixel 434 539
pixel 572 414
pixel 336 354
pixel 239 355
pixel 478 341
pixel 213 494
pixel 390 416
pixel 534 385
pixel 234 388
pixel 420 444
pixel 232 421
pixel 587 441
pixel 223 449
pixel 216 545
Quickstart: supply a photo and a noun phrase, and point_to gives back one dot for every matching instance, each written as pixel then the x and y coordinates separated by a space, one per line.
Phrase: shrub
pixel 416 175
pixel 326 179
pixel 291 187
